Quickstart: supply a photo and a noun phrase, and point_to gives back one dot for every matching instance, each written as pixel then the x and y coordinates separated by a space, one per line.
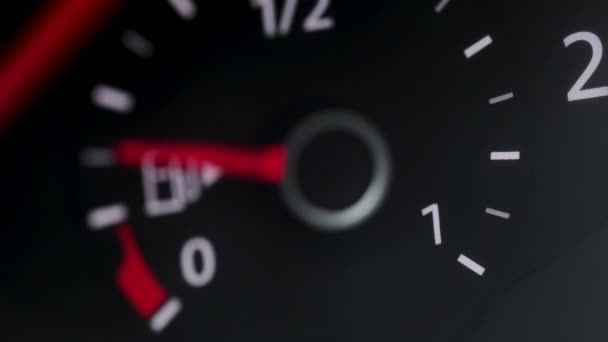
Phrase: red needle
pixel 47 45
pixel 263 164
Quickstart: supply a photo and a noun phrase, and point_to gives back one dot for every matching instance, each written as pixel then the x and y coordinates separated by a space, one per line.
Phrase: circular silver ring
pixel 338 220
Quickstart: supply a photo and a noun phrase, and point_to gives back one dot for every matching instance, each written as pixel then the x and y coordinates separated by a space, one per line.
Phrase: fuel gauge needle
pixel 265 164
pixel 46 45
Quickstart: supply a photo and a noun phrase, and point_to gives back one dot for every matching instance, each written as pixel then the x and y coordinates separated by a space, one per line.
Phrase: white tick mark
pixel 441 6
pixel 186 9
pixel 472 265
pixel 105 217
pixel 501 98
pixel 97 157
pixel 165 315
pixel 513 155
pixel 138 44
pixel 113 99
pixel 498 213
pixel 478 46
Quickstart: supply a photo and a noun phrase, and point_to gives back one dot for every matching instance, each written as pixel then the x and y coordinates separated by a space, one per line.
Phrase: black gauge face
pixel 324 170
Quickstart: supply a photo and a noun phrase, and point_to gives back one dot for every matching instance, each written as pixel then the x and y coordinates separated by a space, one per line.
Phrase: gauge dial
pixel 304 183
pixel 299 170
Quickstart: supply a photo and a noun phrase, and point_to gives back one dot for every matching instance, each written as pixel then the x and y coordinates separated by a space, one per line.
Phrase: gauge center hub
pixel 326 214
pixel 335 169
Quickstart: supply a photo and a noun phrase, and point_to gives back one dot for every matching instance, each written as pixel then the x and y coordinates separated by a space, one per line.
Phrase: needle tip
pixel 274 163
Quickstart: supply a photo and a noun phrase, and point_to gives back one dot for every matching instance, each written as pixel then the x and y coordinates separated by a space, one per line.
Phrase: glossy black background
pixel 59 276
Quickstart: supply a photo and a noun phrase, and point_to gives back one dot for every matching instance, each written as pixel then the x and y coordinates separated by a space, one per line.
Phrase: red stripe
pixel 135 279
pixel 47 45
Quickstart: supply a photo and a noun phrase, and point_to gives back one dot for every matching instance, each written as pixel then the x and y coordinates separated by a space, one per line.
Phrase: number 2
pixel 577 92
pixel 317 21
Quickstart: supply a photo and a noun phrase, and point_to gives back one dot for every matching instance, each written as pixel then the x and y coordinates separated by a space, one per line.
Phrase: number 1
pixel 434 210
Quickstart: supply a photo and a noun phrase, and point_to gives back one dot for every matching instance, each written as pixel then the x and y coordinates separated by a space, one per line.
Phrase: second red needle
pixel 47 45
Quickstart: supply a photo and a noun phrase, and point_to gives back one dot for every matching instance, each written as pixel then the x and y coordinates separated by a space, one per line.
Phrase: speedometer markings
pixel 180 170
pixel 505 156
pixel 501 98
pixel 186 9
pixel 471 265
pixel 441 5
pixel 498 213
pixel 478 46
pixel 137 44
pixel 165 315
pixel 113 99
pixel 105 217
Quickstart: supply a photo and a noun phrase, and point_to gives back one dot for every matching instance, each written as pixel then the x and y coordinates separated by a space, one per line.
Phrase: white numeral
pixel 317 20
pixel 198 247
pixel 289 11
pixel 434 210
pixel 269 20
pixel 577 92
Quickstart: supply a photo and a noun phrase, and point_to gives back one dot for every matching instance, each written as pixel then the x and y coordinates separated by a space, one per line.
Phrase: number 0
pixel 193 248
